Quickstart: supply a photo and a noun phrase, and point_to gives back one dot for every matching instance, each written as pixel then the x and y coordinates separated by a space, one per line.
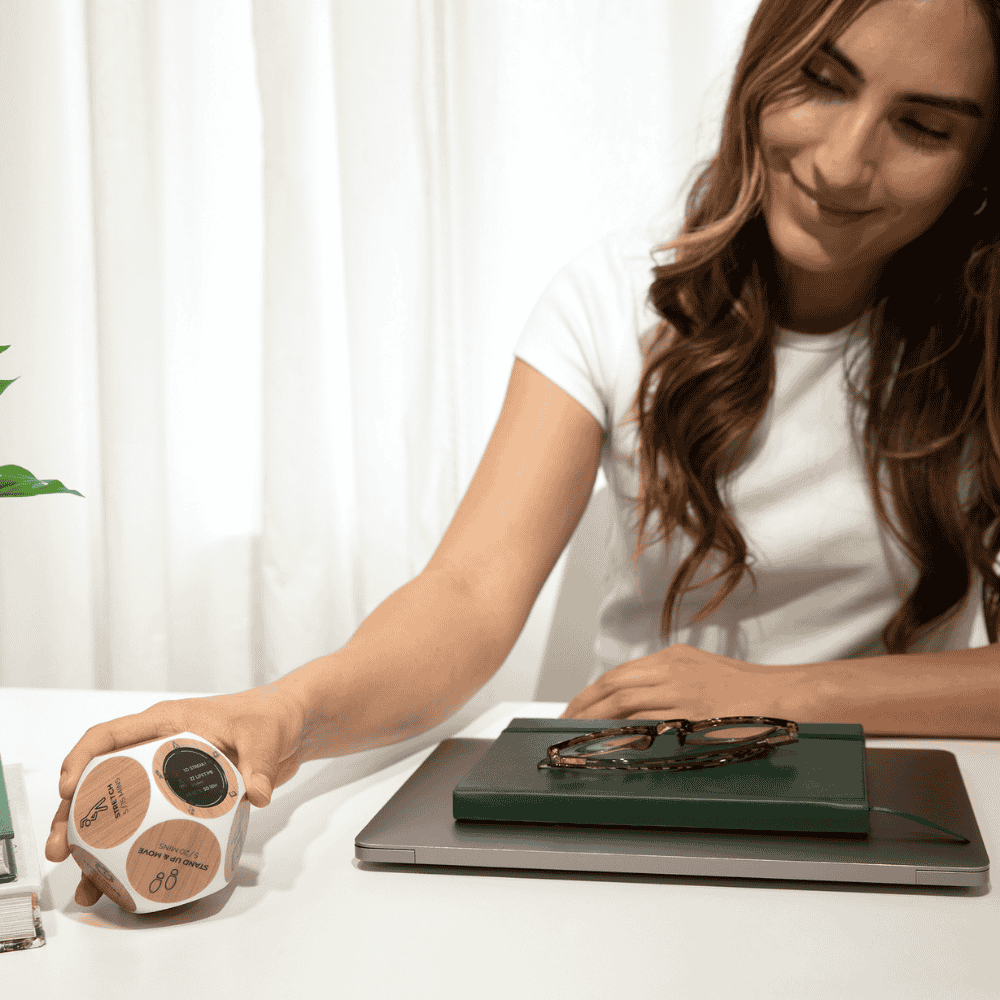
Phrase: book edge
pixel 6 817
pixel 28 879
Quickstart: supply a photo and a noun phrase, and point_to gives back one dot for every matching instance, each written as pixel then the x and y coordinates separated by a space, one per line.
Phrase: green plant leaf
pixel 18 482
pixel 4 382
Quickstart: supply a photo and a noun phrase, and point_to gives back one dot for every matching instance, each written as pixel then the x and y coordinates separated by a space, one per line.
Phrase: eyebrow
pixel 959 104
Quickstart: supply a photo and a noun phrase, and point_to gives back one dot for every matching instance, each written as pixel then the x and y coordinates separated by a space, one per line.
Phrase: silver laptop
pixel 416 827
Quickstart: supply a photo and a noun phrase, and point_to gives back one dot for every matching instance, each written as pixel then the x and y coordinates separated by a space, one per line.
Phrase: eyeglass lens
pixel 724 733
pixel 609 744
pixel 730 733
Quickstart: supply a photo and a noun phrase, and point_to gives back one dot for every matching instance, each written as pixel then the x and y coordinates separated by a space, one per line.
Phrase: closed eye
pixel 825 89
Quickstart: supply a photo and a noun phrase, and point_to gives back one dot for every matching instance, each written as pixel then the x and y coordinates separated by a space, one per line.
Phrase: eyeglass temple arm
pixel 684 727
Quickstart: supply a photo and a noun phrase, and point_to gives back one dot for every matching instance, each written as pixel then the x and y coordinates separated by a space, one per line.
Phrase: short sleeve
pixel 586 316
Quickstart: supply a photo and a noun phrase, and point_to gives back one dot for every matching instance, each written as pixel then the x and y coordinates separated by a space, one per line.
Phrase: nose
pixel 848 155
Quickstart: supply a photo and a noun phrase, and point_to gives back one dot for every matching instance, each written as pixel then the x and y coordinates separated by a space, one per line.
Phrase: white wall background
pixel 262 268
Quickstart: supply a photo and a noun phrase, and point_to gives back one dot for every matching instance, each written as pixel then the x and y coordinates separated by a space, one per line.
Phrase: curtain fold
pixel 308 553
pixel 434 424
pixel 130 483
pixel 263 265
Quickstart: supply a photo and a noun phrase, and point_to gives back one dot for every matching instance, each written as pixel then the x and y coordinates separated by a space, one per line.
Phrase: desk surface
pixel 301 916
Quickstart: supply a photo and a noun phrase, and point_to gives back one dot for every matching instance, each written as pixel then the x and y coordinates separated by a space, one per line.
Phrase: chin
pixel 797 248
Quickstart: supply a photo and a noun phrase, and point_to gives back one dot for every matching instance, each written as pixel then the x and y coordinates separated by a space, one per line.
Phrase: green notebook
pixel 8 868
pixel 816 785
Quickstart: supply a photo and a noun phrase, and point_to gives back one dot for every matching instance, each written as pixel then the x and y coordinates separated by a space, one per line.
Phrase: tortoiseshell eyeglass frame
pixel 727 752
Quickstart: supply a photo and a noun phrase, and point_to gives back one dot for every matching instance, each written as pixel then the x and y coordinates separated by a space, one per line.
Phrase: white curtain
pixel 262 267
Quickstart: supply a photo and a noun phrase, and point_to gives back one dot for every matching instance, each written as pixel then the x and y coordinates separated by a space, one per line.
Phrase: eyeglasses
pixel 733 738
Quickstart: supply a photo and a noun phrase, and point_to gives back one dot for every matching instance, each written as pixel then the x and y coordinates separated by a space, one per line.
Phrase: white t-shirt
pixel 829 576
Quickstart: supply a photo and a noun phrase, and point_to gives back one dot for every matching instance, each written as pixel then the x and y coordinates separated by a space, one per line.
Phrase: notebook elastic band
pixel 918 819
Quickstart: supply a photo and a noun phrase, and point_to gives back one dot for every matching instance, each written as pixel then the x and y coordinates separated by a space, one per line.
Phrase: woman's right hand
pixel 260 731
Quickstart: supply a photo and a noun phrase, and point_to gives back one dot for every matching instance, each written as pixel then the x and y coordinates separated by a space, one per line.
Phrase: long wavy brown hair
pixel 933 371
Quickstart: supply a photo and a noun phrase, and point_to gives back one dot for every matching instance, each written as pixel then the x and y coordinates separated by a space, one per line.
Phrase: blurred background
pixel 262 268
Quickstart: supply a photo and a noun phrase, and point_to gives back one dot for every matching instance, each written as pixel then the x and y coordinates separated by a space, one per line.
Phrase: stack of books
pixel 20 881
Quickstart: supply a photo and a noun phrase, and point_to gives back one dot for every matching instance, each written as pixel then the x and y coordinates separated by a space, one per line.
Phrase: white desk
pixel 301 919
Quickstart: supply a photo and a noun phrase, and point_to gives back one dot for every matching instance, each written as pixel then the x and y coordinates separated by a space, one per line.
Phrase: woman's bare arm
pixel 949 694
pixel 429 646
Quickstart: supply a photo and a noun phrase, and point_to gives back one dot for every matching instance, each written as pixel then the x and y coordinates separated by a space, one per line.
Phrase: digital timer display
pixel 195 777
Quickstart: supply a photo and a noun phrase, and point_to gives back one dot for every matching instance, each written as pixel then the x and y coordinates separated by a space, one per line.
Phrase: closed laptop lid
pixel 416 827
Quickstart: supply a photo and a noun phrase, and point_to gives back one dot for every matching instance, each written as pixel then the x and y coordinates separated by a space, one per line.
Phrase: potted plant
pixel 18 482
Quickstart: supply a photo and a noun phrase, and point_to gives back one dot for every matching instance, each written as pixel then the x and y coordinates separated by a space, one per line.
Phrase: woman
pixel 840 249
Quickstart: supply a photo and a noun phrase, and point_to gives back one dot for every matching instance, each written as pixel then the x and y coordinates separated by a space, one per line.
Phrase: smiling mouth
pixel 840 212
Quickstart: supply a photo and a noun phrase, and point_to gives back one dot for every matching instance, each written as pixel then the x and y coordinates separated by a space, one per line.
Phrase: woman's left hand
pixel 684 682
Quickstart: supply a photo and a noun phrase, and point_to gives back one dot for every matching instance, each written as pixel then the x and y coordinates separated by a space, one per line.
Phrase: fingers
pixel 259 788
pixel 267 743
pixel 108 737
pixel 57 846
pixel 625 703
pixel 581 705
pixel 605 698
pixel 57 849
pixel 87 893
pixel 261 776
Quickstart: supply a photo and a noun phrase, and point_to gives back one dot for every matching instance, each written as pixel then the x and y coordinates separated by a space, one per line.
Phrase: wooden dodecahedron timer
pixel 159 824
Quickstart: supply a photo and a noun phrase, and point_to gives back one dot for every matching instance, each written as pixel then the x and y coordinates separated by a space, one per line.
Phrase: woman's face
pixel 894 113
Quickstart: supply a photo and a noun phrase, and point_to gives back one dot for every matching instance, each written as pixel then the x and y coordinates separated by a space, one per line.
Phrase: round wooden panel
pixel 111 802
pixel 173 861
pixel 195 778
